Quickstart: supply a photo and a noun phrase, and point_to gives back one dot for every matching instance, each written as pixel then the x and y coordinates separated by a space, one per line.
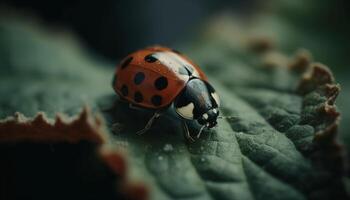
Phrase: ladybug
pixel 157 78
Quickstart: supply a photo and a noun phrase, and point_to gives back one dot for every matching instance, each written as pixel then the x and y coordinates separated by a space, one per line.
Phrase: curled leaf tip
pixel 316 76
pixel 301 61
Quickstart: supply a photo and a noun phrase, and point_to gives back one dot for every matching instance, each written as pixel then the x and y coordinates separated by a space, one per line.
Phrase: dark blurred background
pixel 111 28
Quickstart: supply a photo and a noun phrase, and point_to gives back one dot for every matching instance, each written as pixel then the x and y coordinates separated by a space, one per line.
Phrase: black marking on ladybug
pixel 195 92
pixel 184 71
pixel 150 58
pixel 126 62
pixel 211 90
pixel 156 100
pixel 139 77
pixel 161 83
pixel 189 69
pixel 138 97
pixel 196 102
pixel 124 90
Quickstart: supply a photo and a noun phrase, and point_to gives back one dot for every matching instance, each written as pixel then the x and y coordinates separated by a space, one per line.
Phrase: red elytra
pixel 154 76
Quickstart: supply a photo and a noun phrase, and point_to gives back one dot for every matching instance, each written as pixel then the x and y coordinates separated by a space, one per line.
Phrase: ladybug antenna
pixel 226 117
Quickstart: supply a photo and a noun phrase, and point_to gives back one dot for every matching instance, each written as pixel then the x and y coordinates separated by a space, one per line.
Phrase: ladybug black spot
pixel 161 83
pixel 156 100
pixel 139 77
pixel 138 97
pixel 150 58
pixel 124 90
pixel 126 62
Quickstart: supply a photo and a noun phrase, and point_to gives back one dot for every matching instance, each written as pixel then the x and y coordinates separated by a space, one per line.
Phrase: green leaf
pixel 40 73
pixel 277 142
pixel 49 155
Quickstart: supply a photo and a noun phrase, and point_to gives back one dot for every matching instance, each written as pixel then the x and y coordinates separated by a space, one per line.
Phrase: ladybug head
pixel 198 101
pixel 208 119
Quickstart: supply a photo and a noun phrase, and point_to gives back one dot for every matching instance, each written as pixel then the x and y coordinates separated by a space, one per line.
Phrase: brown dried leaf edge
pixel 84 126
pixel 317 78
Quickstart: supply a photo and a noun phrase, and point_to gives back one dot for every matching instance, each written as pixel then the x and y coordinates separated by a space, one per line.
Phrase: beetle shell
pixel 153 77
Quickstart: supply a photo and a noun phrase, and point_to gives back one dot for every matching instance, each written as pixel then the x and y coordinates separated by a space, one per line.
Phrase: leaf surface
pixel 278 140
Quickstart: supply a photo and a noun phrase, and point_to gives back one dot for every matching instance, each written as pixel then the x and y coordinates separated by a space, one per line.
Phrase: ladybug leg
pixel 187 132
pixel 149 123
pixel 200 131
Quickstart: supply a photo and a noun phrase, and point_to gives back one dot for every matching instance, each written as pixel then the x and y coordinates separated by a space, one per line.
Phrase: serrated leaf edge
pixel 84 126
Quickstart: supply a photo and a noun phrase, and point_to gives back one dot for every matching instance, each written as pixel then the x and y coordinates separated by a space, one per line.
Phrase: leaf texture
pixel 278 140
